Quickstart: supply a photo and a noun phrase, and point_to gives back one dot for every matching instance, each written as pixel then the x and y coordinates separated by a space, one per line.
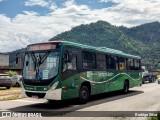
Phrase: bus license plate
pixel 34 96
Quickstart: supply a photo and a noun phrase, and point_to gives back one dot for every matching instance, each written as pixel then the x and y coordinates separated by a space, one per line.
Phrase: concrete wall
pixel 4 60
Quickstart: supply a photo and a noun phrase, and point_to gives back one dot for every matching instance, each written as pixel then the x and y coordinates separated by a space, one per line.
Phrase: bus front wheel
pixel 84 94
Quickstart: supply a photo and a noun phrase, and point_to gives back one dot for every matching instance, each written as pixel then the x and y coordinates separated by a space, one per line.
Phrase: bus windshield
pixel 41 65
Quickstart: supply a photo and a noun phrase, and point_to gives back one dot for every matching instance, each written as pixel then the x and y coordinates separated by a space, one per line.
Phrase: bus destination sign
pixel 41 47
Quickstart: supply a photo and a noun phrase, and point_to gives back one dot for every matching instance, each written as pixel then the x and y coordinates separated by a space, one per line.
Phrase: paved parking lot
pixel 142 98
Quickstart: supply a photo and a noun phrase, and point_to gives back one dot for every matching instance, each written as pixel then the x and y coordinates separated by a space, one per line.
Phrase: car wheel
pixel 8 87
pixel 17 84
pixel 84 94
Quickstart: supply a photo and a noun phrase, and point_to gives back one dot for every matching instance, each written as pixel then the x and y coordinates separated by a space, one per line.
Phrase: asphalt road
pixel 142 98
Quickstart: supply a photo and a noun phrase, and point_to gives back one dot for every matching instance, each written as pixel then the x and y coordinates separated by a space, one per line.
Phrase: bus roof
pixel 100 49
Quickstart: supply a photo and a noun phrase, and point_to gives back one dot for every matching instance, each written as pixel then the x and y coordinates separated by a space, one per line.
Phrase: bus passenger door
pixel 70 72
pixel 115 81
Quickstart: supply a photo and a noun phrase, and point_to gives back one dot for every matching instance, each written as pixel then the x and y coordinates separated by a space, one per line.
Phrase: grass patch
pixel 15 97
pixel 10 94
pixel 12 88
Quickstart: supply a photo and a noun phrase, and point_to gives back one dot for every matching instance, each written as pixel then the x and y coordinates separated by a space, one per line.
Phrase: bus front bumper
pixel 49 95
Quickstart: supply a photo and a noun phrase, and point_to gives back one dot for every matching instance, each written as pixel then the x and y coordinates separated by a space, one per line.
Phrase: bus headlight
pixel 54 86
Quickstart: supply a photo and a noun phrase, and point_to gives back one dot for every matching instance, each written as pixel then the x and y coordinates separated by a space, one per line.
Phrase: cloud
pixel 68 3
pixel 132 13
pixel 114 1
pixel 41 3
pixel 30 27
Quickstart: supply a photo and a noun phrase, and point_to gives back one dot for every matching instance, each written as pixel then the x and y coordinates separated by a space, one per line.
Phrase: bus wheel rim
pixel 126 88
pixel 84 94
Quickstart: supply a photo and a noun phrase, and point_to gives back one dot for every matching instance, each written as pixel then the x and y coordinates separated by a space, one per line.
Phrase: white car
pixel 5 81
pixel 16 79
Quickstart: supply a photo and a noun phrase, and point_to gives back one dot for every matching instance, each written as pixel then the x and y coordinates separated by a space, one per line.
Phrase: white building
pixel 4 60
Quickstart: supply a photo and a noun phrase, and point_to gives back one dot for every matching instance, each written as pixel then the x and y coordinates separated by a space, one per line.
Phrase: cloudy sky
pixel 27 21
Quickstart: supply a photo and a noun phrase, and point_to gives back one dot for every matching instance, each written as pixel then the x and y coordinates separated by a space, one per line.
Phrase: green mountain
pixel 149 34
pixel 143 40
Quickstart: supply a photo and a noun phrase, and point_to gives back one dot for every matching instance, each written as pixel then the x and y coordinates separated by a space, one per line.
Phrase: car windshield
pixel 41 66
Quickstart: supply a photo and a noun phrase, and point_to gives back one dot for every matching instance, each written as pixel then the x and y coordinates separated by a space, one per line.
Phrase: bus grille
pixel 32 94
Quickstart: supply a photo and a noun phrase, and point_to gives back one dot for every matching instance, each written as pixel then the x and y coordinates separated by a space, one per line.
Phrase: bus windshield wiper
pixel 43 57
pixel 40 61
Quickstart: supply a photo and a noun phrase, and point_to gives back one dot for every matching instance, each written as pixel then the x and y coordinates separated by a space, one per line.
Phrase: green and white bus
pixel 61 70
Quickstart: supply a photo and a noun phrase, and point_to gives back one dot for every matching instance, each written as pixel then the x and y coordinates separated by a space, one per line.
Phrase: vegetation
pixel 11 94
pixel 14 97
pixel 143 40
pixel 11 73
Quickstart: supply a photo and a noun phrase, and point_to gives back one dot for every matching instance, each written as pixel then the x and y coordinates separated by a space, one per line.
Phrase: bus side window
pixel 72 65
pixel 89 60
pixel 107 61
pixel 126 63
pixel 122 64
pixel 113 62
pixel 69 64
pixel 137 64
pixel 101 61
pixel 65 61
pixel 130 64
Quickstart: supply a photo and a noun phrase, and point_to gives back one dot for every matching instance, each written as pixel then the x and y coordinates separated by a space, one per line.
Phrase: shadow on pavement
pixel 66 106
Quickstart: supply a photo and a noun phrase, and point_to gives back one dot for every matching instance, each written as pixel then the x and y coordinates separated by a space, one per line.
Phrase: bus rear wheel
pixel 84 94
pixel 126 87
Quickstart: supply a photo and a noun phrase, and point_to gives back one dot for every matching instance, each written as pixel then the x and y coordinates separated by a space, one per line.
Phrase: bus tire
pixel 84 94
pixel 143 81
pixel 126 87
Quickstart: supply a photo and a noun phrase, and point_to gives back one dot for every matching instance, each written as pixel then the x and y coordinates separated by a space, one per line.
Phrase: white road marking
pixel 28 101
